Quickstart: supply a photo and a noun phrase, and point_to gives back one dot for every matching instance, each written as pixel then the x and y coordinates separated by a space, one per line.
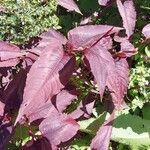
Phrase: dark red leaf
pixel 117 81
pixel 42 111
pixel 64 98
pixel 85 107
pixel 9 54
pixel 100 59
pixel 47 77
pixel 5 46
pixel 58 128
pixel 128 14
pixel 83 37
pixel 102 138
pixel 13 94
pixel 53 34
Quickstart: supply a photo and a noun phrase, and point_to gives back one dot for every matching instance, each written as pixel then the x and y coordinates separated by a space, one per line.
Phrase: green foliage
pixel 139 84
pixel 128 129
pixel 24 19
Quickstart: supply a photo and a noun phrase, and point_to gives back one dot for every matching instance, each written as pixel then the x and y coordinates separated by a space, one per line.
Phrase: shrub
pixel 24 19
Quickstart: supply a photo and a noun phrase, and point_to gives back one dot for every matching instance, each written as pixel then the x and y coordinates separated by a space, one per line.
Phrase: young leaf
pixel 128 14
pixel 70 5
pixel 58 128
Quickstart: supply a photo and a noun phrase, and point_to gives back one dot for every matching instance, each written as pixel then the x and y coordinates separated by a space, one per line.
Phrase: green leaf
pixel 146 111
pixel 147 51
pixel 132 130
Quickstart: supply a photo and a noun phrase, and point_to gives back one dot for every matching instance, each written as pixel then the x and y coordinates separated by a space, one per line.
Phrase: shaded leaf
pixel 39 144
pixel 13 94
pixel 62 100
pixel 5 132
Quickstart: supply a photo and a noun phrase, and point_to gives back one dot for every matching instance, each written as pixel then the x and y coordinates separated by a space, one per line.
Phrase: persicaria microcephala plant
pixel 39 81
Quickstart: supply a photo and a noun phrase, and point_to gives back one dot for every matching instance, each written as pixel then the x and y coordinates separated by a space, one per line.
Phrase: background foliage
pixel 24 19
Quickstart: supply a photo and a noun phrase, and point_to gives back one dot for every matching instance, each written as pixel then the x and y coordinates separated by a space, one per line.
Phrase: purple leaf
pixel 5 46
pixel 42 111
pixel 47 77
pixel 62 100
pixel 102 138
pixel 85 107
pixel 146 31
pixel 9 63
pixel 70 5
pixel 49 38
pixel 83 37
pixel 117 81
pixel 58 128
pixel 100 59
pixel 103 2
pixel 9 54
pixel 128 14
pixel 53 34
